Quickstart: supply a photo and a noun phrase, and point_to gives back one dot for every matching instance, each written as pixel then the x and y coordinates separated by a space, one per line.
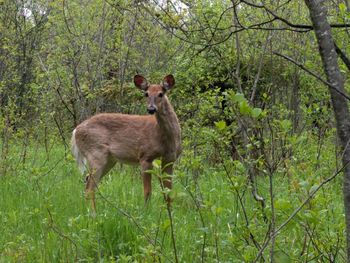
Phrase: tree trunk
pixel 318 14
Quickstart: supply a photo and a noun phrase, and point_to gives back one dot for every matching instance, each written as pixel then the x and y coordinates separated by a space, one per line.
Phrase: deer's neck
pixel 169 124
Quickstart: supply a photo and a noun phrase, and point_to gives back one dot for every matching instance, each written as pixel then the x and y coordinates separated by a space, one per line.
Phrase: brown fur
pixel 107 138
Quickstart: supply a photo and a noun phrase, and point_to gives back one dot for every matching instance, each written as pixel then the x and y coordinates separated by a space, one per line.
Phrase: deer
pixel 101 141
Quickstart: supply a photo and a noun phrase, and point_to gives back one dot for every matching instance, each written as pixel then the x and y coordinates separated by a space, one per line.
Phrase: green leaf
pixel 166 224
pixel 238 97
pixel 286 125
pixel 244 108
pixel 283 204
pixel 157 163
pixel 256 112
pixel 221 125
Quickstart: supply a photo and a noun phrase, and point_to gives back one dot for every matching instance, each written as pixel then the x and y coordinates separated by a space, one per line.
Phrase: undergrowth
pixel 45 218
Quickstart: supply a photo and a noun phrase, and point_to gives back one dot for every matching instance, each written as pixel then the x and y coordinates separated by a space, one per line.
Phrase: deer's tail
pixel 79 157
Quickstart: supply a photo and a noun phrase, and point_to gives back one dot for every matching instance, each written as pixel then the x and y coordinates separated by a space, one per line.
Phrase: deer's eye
pixel 160 95
pixel 146 94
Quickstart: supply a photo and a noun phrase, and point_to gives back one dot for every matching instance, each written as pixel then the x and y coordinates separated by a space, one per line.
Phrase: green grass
pixel 44 216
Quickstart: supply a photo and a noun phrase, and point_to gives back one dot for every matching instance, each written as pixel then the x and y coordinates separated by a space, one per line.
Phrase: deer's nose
pixel 151 109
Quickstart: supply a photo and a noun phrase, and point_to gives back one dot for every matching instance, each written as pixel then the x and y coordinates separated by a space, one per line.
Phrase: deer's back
pixel 126 138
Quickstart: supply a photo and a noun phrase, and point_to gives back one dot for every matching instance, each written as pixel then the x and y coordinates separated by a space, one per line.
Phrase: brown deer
pixel 99 142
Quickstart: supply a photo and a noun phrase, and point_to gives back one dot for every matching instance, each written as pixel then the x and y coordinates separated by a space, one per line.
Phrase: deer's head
pixel 154 92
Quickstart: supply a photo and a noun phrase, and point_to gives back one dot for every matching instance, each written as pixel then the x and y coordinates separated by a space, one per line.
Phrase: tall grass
pixel 45 218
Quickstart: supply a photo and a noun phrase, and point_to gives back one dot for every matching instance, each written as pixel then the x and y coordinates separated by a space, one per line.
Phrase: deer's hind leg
pixel 99 165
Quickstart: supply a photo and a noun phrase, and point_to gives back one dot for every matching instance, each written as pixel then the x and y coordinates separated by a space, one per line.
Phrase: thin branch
pixel 62 235
pixel 133 220
pixel 257 77
pixel 208 45
pixel 297 210
pixel 342 55
pixel 66 20
pixel 301 26
pixel 312 74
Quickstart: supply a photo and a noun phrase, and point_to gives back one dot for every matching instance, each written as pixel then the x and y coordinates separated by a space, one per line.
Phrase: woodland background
pixel 260 178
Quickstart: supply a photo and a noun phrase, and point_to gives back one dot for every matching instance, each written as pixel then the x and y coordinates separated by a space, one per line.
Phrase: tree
pixel 318 14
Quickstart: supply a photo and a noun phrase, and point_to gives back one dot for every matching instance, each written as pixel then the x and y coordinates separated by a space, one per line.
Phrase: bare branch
pixel 300 26
pixel 297 210
pixel 313 74
pixel 342 55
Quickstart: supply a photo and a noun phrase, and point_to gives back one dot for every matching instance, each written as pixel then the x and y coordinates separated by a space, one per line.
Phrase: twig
pixel 312 74
pixel 132 220
pixel 57 231
pixel 297 210
pixel 342 55
pixel 198 207
pixel 168 208
pixel 300 26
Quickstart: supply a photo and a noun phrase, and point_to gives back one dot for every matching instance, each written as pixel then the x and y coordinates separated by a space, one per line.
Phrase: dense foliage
pixel 258 176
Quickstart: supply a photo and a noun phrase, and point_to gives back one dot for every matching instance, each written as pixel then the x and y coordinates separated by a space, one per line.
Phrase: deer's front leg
pixel 147 179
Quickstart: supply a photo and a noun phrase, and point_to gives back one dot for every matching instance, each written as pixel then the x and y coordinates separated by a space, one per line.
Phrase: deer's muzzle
pixel 151 109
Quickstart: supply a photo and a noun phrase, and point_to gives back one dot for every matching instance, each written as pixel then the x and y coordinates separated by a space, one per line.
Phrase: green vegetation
pixel 260 177
pixel 44 216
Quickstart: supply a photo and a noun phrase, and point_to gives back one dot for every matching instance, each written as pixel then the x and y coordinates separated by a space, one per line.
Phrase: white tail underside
pixel 81 160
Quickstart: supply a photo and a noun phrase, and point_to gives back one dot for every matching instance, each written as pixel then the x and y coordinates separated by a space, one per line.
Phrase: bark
pixel 318 14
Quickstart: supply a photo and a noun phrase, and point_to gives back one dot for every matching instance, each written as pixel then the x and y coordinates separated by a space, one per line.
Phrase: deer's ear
pixel 168 82
pixel 140 82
